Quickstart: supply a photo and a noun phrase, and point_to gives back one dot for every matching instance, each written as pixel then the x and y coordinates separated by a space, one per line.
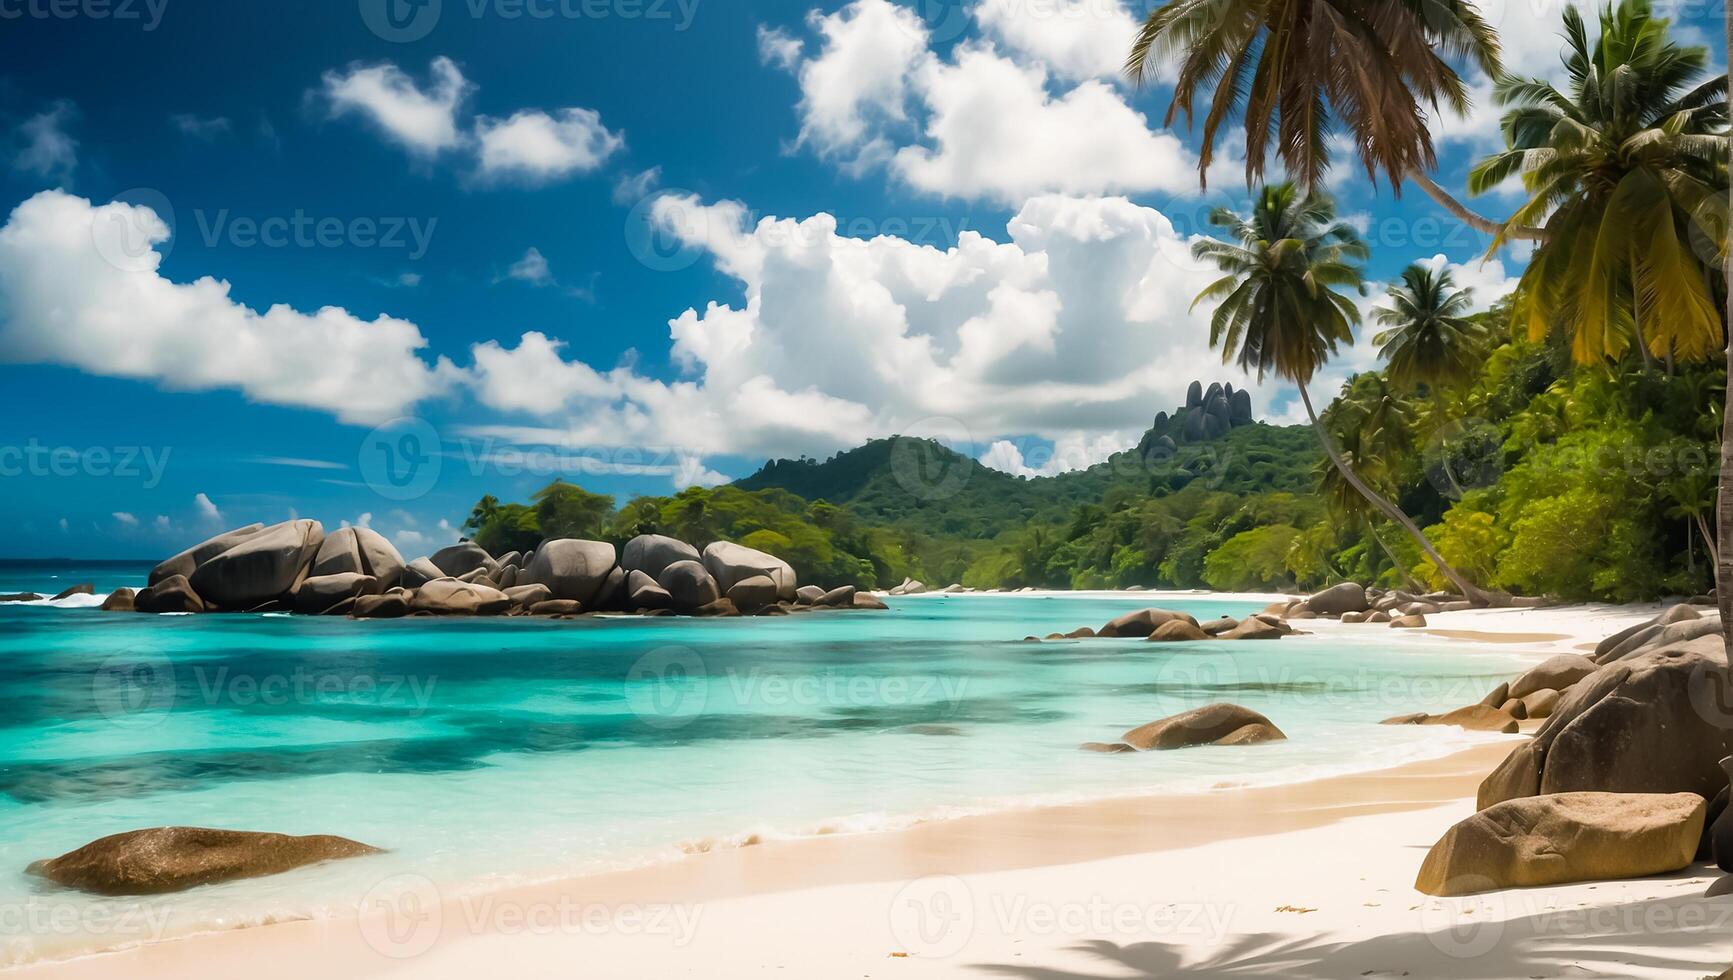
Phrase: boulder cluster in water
pixel 296 567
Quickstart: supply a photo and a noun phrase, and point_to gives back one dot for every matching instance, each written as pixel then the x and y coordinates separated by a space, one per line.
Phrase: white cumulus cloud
pixel 423 120
pixel 534 147
pixel 1031 107
pixel 48 150
pixel 79 286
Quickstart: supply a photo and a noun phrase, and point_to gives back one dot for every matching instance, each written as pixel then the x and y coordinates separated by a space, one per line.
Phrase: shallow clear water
pixel 489 752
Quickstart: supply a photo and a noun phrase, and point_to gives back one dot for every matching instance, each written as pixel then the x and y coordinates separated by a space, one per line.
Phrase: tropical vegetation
pixel 1565 442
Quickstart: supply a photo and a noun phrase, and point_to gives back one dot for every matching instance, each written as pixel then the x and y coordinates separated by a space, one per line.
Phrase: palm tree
pixel 1429 338
pixel 1724 501
pixel 486 509
pixel 1296 69
pixel 1633 166
pixel 1626 167
pixel 1692 497
pixel 1279 311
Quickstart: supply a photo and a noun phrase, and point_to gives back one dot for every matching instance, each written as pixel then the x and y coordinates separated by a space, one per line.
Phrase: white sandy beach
pixel 1306 880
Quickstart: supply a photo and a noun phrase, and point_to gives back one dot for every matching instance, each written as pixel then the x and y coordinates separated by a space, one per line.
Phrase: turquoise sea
pixel 489 753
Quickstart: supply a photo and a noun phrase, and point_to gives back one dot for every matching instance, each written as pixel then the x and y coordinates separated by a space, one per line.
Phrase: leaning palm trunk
pixel 1468 589
pixel 1401 570
pixel 1480 223
pixel 1724 501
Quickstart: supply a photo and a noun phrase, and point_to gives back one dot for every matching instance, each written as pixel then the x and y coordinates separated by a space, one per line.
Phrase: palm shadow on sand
pixel 1684 937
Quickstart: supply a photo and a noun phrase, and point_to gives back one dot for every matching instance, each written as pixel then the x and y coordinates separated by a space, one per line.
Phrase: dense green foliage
pixel 1578 459
pixel 1534 476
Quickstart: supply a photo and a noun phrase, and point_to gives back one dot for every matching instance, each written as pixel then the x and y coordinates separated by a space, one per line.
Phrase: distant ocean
pixel 484 753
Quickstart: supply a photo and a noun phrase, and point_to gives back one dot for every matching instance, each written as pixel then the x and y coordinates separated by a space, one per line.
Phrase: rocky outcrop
pixel 1178 630
pixel 1254 628
pixel 1141 623
pixel 1348 597
pixel 1475 718
pixel 1657 722
pixel 841 597
pixel 296 566
pixel 172 859
pixel 322 592
pixel 572 569
pixel 753 593
pixel 651 553
pixel 1202 726
pixel 170 595
pixel 1567 837
pixel 263 566
pixel 525 596
pixel 1552 674
pixel 120 600
pixel 463 558
pixel 420 572
pixel 449 597
pixel 689 584
pixel 729 563
pixel 642 592
pixel 391 605
pixel 360 550
pixel 188 561
pixel 82 588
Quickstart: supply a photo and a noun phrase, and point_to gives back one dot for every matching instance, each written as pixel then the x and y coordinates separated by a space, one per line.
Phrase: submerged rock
pixel 1141 623
pixel 1177 631
pixel 172 859
pixel 1199 726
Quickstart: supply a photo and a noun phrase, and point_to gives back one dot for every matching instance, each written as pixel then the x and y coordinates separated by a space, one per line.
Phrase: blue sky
pixel 599 234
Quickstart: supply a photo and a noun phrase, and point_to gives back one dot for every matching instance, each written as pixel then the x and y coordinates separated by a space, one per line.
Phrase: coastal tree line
pixel 1568 442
